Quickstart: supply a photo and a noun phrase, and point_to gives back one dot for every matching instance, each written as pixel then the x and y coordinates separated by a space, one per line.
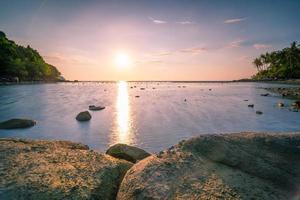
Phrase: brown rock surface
pixel 231 166
pixel 57 170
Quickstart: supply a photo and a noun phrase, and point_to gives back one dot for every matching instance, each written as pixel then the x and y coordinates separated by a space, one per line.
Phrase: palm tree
pixel 257 63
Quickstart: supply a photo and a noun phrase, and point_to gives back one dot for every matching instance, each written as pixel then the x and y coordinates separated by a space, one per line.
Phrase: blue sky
pixel 164 40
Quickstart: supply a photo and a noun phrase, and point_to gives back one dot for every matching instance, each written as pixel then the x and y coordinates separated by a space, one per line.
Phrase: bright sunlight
pixel 122 60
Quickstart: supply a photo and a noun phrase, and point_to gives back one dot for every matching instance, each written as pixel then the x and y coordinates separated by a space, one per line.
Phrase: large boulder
pixel 83 116
pixel 17 123
pixel 233 166
pixel 126 152
pixel 57 170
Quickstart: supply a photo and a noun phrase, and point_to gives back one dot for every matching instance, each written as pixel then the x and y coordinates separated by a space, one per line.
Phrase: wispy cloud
pixel 235 44
pixel 194 50
pixel 157 21
pixel 185 22
pixel 164 53
pixel 261 46
pixel 234 20
pixel 69 58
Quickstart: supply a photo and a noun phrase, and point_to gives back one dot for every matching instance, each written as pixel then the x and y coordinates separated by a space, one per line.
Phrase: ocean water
pixel 162 115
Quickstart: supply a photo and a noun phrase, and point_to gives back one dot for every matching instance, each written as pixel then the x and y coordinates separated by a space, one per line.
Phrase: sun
pixel 122 60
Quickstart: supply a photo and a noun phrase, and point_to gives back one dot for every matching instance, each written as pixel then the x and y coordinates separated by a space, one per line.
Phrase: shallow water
pixel 157 119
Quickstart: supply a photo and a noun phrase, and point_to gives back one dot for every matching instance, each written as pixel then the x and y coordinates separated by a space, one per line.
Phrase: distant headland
pixel 24 64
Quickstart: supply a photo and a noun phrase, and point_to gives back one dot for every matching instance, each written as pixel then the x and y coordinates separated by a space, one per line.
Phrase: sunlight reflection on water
pixel 123 133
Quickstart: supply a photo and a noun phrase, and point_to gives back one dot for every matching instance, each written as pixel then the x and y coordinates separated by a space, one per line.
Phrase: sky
pixel 161 40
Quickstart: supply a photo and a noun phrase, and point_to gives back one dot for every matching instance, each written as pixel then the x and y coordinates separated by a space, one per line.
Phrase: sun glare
pixel 122 60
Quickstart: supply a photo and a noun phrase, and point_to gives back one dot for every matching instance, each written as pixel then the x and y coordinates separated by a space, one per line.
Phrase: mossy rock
pixel 83 116
pixel 126 152
pixel 17 123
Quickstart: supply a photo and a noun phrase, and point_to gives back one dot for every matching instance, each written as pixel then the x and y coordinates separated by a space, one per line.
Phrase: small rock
pixel 83 116
pixel 185 100
pixel 137 96
pixel 296 104
pixel 246 100
pixel 251 105
pixel 265 95
pixel 259 112
pixel 95 108
pixel 17 123
pixel 280 104
pixel 209 89
pixel 126 152
pixel 142 88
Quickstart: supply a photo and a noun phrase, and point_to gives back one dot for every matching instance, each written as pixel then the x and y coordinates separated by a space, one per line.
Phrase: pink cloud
pixel 261 46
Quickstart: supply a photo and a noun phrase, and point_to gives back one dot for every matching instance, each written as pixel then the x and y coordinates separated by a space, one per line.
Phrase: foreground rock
pixel 57 170
pixel 233 166
pixel 17 123
pixel 83 116
pixel 126 152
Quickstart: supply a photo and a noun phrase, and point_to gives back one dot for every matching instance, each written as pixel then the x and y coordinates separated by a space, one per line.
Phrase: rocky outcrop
pixel 57 170
pixel 83 116
pixel 17 123
pixel 290 92
pixel 126 152
pixel 232 166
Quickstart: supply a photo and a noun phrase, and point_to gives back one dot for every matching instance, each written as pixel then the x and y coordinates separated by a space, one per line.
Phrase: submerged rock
pixel 126 152
pixel 83 116
pixel 259 112
pixel 290 92
pixel 232 166
pixel 57 170
pixel 296 104
pixel 95 108
pixel 17 123
pixel 264 95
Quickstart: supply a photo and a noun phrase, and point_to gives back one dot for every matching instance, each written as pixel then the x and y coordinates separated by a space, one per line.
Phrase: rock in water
pixel 57 170
pixel 296 104
pixel 126 152
pixel 259 112
pixel 251 105
pixel 83 116
pixel 265 95
pixel 232 166
pixel 17 123
pixel 95 108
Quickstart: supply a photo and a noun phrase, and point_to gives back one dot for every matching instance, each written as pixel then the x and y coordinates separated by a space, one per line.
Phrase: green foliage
pixel 284 64
pixel 23 62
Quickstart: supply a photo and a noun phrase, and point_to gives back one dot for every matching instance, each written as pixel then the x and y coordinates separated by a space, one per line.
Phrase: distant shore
pixel 289 81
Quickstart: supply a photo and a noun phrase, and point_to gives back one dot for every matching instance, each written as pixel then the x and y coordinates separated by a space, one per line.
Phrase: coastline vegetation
pixel 18 63
pixel 283 64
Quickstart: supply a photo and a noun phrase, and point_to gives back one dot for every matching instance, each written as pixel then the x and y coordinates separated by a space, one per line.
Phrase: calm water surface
pixel 159 118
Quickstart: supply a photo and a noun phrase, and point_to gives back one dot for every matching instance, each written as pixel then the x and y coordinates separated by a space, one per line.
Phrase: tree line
pixel 23 63
pixel 283 64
